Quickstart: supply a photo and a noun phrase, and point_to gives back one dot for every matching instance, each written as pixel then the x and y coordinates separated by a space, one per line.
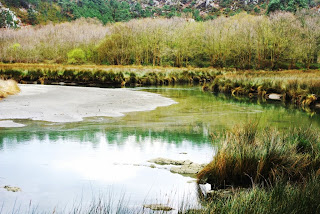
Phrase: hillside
pixel 14 13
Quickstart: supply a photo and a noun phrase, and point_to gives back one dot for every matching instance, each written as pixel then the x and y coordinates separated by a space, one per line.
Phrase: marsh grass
pixel 298 87
pixel 105 76
pixel 249 157
pixel 268 171
pixel 280 40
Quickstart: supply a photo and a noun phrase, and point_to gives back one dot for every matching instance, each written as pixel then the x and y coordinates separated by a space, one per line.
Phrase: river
pixel 62 166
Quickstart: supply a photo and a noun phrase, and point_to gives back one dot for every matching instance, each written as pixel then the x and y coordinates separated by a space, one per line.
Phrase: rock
pixel 202 181
pixel 193 168
pixel 185 166
pixel 192 211
pixel 219 194
pixel 158 207
pixel 164 161
pixel 191 181
pixel 12 189
pixel 274 96
pixel 12 20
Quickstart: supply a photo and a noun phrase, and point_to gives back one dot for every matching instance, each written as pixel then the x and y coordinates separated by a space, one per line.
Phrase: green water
pixel 60 165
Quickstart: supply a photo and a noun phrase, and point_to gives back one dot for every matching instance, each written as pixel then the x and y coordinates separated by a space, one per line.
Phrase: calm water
pixel 59 166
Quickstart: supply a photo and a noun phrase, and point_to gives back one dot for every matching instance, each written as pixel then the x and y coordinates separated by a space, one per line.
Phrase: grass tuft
pixel 249 157
pixel 8 87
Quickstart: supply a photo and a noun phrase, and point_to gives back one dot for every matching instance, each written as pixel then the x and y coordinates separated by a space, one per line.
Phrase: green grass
pixel 247 157
pixel 285 198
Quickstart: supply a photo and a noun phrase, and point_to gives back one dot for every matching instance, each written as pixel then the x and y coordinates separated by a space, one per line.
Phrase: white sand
pixel 10 123
pixel 71 104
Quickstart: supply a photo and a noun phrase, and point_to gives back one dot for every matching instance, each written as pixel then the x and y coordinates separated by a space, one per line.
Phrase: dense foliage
pixel 281 40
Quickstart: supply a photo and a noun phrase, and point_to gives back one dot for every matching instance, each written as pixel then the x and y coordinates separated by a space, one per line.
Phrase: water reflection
pixel 63 165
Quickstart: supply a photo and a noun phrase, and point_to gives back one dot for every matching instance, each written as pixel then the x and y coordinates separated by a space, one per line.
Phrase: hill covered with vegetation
pixel 43 11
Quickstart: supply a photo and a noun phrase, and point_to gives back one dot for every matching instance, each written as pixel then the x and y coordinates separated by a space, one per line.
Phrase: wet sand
pixel 72 104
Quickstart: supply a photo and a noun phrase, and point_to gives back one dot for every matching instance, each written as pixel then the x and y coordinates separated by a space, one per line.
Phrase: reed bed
pixel 106 76
pixel 296 86
pixel 266 171
pixel 248 157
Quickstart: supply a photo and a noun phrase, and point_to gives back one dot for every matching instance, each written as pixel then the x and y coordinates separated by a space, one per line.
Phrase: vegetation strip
pixel 298 87
pixel 301 88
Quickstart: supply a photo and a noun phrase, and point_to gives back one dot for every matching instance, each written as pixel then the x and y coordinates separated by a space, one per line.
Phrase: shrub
pixel 76 56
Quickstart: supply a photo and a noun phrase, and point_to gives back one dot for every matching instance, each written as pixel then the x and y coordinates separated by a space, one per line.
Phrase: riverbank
pixel 105 76
pixel 299 87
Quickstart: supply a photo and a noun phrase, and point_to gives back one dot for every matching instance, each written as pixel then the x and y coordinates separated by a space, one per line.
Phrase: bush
pixel 76 56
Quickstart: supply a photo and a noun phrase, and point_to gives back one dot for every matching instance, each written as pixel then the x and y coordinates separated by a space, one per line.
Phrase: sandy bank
pixel 10 123
pixel 71 104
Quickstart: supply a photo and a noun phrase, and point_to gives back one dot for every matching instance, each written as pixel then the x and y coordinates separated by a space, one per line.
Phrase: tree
pixel 286 5
pixel 32 17
pixel 3 19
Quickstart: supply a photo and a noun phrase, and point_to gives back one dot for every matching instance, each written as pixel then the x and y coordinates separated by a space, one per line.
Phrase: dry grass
pixel 8 87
